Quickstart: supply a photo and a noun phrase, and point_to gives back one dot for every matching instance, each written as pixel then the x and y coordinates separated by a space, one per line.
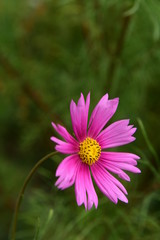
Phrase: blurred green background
pixel 50 52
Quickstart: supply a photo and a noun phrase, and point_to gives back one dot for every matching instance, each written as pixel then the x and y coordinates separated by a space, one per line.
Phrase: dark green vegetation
pixel 50 51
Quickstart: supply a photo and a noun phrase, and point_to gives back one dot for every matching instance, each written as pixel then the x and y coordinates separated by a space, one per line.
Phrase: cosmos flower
pixel 87 155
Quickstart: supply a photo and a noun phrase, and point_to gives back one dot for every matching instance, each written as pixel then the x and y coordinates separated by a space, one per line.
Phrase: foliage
pixel 50 51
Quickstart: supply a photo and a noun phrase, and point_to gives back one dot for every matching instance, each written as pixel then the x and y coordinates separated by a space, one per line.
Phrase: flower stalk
pixel 21 193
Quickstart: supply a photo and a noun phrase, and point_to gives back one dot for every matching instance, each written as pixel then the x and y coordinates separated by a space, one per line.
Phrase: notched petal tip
pixel 126 200
pixel 52 139
pixel 82 96
pixel 138 170
pixel 116 99
pixel 91 204
pixel 115 201
pixel 53 124
pixel 72 104
pixel 89 207
pixel 132 139
pixel 133 130
pixel 105 96
pixel 136 157
pixel 125 177
pixel 81 101
pixel 88 99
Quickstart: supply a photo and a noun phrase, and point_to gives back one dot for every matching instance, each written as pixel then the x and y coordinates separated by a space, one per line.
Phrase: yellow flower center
pixel 89 151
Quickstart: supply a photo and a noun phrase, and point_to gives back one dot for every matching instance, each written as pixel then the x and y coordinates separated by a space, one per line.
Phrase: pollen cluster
pixel 89 151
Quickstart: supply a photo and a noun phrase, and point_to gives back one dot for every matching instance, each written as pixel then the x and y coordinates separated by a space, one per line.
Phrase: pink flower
pixel 87 155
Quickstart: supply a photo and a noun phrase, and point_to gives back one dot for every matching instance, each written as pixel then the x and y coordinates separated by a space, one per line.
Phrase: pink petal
pixel 67 171
pixel 110 186
pixel 115 162
pixel 63 147
pixel 66 148
pixel 101 102
pixel 117 134
pixel 64 133
pixel 84 187
pixel 116 182
pixel 101 114
pixel 105 189
pixel 80 190
pixel 129 158
pixel 92 196
pixel 127 167
pixel 117 171
pixel 79 117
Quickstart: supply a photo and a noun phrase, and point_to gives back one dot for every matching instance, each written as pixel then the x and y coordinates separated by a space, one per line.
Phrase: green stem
pixel 150 146
pixel 21 193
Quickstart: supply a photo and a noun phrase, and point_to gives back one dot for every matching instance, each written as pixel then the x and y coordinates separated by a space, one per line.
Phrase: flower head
pixel 87 155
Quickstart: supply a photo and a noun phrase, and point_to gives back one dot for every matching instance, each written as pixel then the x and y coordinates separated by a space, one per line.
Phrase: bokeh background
pixel 50 52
